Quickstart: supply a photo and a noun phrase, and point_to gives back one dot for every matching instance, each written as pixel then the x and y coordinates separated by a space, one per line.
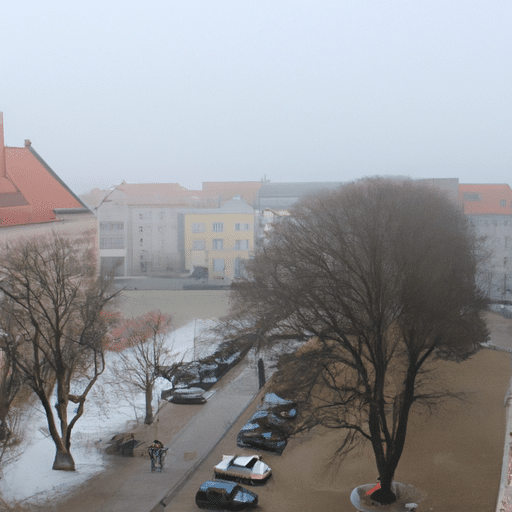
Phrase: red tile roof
pixel 151 189
pixel 29 189
pixel 486 199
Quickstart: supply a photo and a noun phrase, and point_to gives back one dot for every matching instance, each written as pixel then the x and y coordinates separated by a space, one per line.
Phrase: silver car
pixel 248 469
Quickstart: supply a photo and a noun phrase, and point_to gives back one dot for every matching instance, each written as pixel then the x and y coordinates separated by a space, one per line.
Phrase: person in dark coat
pixel 157 454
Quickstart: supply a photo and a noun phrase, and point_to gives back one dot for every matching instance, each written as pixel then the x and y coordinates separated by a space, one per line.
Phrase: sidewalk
pixel 188 448
pixel 130 486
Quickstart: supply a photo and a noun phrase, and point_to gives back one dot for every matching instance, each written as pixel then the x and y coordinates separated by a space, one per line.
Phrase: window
pixel 239 267
pixel 141 229
pixel 198 245
pixel 112 242
pixel 111 226
pixel 503 203
pixel 241 245
pixel 218 265
pixel 198 227
pixel 141 241
pixel 471 196
pixel 218 244
pixel 240 226
pixel 218 227
pixel 162 215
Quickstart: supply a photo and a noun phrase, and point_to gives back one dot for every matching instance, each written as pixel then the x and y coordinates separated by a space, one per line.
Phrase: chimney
pixel 27 143
pixel 3 170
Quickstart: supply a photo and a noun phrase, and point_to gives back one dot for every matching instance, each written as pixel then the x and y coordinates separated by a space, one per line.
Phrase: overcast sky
pixel 316 90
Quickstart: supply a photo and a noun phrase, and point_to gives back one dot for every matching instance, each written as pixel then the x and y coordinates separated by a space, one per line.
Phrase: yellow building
pixel 219 239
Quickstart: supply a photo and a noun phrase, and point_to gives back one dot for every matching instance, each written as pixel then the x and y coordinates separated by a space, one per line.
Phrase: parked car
pixel 261 436
pixel 220 494
pixel 271 420
pixel 187 396
pixel 280 406
pixel 248 469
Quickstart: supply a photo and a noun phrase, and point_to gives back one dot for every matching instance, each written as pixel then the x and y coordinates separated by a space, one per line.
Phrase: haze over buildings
pixel 191 91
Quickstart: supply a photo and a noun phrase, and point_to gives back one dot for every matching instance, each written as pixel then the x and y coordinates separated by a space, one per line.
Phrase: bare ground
pixel 454 455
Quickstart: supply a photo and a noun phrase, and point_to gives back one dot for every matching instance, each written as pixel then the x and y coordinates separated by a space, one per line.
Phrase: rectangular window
pixel 198 245
pixel 240 226
pixel 218 227
pixel 111 226
pixel 198 227
pixel 218 265
pixel 112 242
pixel 218 244
pixel 241 245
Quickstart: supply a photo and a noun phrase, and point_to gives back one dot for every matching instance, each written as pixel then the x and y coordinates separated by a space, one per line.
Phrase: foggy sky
pixel 191 91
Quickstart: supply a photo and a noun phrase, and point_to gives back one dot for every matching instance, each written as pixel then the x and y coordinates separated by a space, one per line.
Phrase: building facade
pixel 489 210
pixel 220 239
pixel 140 235
pixel 158 235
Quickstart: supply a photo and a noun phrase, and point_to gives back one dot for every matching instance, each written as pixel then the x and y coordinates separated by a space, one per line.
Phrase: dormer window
pixel 471 196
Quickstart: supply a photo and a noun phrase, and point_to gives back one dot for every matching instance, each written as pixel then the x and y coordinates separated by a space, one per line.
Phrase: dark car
pixel 271 420
pixel 280 406
pixel 188 396
pixel 220 494
pixel 258 434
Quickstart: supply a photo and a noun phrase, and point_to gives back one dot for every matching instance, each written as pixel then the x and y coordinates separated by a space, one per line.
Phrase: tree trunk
pixel 149 409
pixel 385 494
pixel 63 460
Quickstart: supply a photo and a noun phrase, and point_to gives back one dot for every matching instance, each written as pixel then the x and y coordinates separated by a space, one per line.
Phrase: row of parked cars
pixel 267 429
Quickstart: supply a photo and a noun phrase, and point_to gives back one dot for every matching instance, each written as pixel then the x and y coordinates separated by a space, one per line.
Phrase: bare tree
pixel 52 308
pixel 147 352
pixel 381 276
pixel 11 380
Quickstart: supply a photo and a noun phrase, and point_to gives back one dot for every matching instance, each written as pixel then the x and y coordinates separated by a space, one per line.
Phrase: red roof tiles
pixel 29 189
pixel 488 199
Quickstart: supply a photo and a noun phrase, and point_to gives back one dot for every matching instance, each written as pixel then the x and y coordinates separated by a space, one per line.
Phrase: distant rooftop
pixel 486 199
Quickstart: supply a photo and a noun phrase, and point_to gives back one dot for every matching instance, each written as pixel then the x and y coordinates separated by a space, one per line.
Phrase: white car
pixel 248 469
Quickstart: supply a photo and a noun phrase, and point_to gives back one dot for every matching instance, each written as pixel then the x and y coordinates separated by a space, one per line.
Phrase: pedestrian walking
pixel 157 455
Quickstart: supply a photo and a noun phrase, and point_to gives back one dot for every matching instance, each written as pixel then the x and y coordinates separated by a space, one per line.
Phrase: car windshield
pixel 247 462
pixel 242 496
pixel 250 426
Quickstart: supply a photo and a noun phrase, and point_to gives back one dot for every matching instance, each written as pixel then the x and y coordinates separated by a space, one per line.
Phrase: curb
pixel 162 504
